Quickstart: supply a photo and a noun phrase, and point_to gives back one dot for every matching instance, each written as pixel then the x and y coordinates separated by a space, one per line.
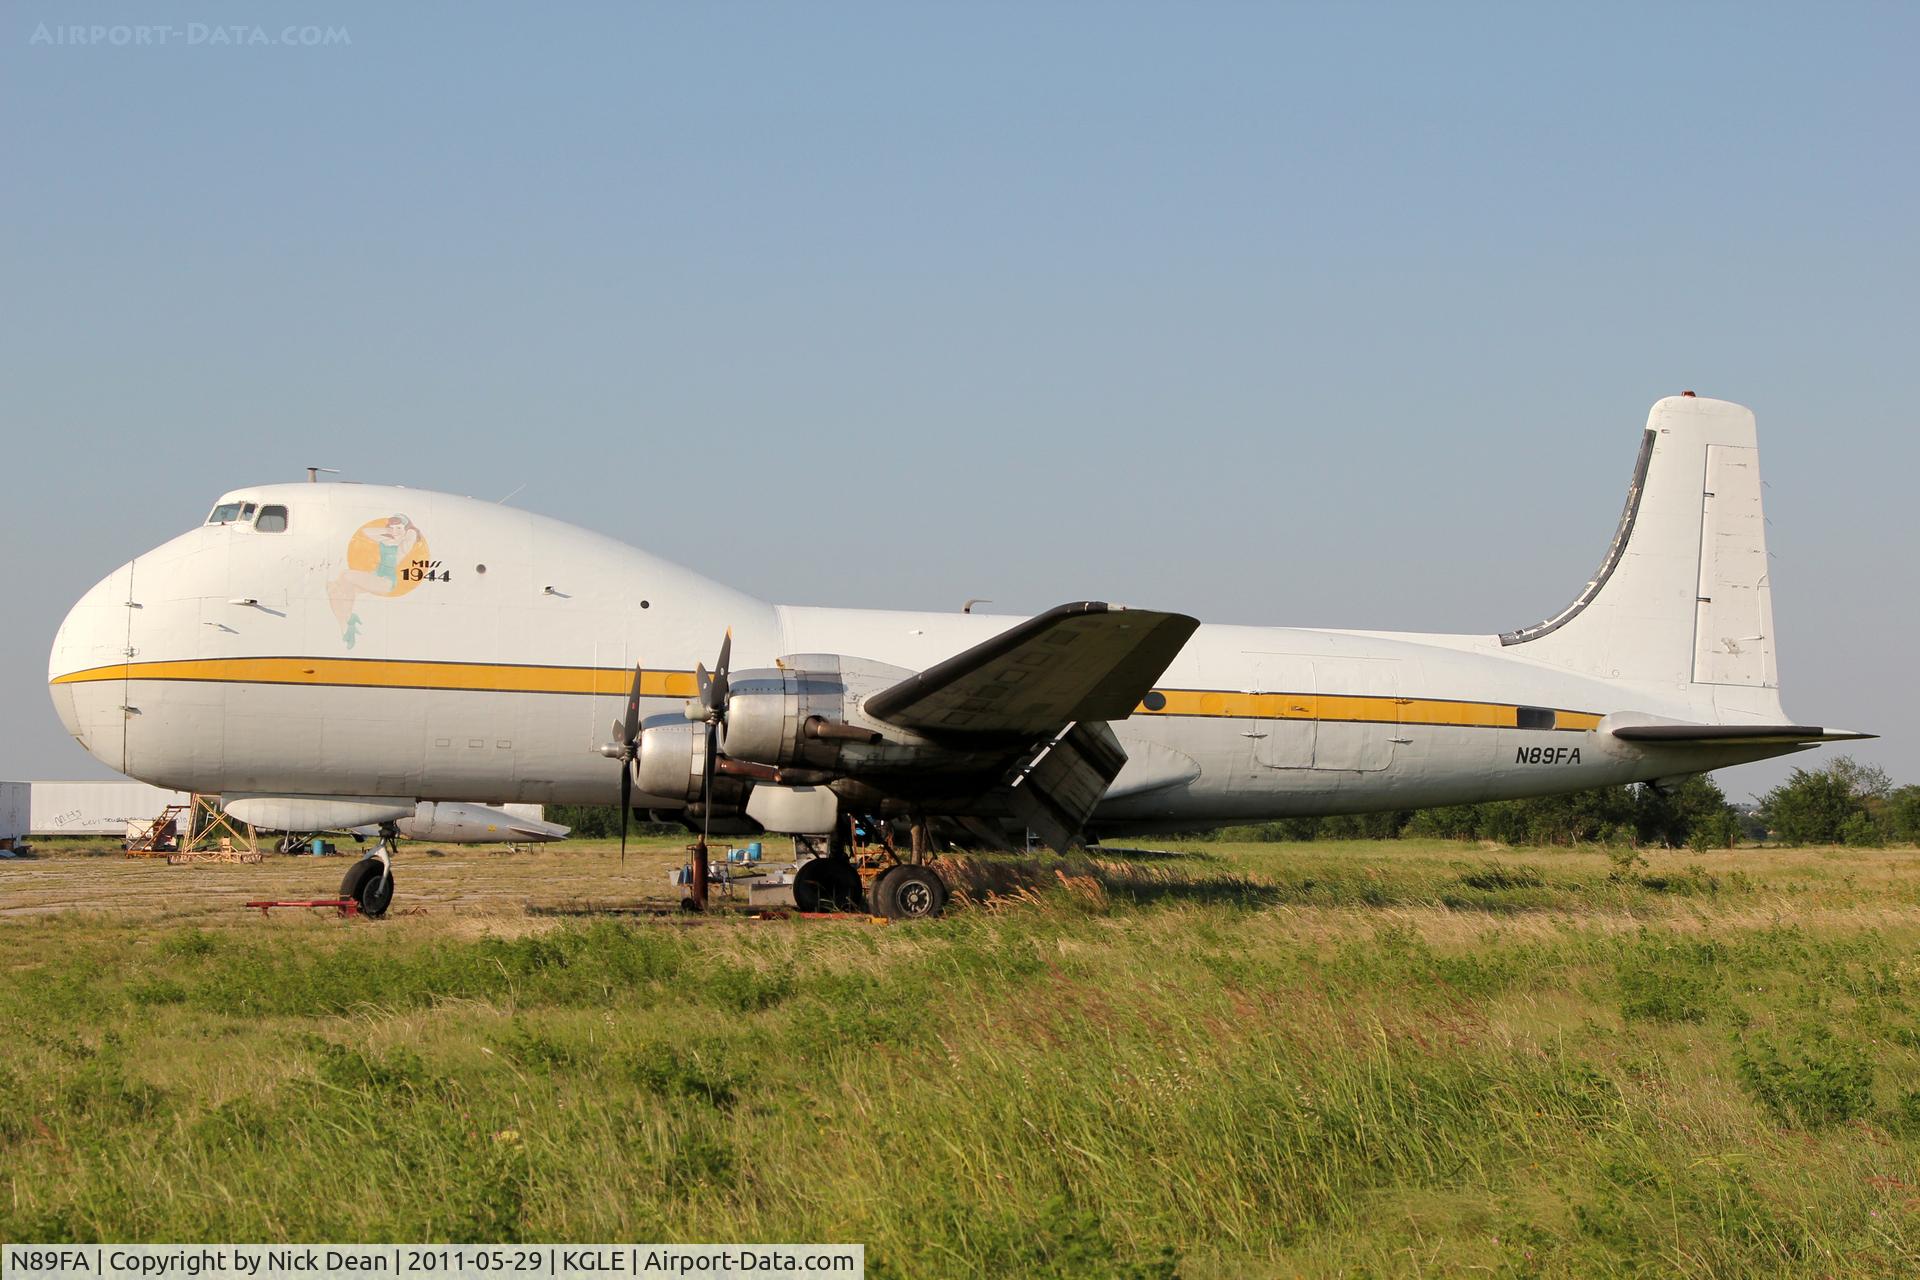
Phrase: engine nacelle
pixel 671 764
pixel 807 714
pixel 767 710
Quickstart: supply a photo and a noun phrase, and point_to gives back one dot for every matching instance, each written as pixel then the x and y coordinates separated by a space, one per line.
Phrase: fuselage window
pixel 271 520
pixel 1533 717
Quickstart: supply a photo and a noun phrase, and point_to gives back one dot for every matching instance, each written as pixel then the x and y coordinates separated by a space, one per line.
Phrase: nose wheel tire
pixel 910 891
pixel 827 884
pixel 369 882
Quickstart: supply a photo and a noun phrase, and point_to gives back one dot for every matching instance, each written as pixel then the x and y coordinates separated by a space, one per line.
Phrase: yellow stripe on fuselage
pixel 389 673
pixel 489 677
pixel 1346 706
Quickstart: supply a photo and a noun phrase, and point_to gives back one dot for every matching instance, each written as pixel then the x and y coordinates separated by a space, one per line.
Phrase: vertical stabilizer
pixel 1682 596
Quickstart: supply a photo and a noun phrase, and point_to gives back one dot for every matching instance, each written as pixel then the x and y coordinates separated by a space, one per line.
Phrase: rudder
pixel 1682 596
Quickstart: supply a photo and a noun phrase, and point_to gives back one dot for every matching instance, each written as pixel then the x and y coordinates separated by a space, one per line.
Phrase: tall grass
pixel 1309 1061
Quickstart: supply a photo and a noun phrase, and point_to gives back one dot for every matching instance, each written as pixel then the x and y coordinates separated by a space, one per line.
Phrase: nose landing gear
pixel 369 882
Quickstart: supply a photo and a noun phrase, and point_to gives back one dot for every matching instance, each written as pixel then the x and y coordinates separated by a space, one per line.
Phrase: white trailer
pixel 14 809
pixel 96 808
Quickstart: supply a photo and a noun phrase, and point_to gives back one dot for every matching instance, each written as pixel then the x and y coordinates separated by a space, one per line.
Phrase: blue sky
pixel 1317 315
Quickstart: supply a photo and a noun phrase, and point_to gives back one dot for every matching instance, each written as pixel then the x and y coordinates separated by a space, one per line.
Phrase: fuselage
pixel 359 640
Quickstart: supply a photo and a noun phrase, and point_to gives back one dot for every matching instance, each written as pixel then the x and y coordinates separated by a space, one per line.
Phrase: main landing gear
pixel 871 876
pixel 369 882
pixel 908 891
pixel 831 883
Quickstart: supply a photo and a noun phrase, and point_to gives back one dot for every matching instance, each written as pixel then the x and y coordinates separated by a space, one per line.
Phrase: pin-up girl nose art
pixel 386 559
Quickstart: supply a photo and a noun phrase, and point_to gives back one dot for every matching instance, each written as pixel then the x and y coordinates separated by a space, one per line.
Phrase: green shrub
pixel 1903 814
pixel 1663 990
pixel 1823 1083
pixel 1818 806
pixel 1714 831
pixel 1861 832
pixel 702 1071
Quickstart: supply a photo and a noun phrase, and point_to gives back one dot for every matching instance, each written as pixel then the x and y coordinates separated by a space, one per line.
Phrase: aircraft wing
pixel 1076 662
pixel 1731 735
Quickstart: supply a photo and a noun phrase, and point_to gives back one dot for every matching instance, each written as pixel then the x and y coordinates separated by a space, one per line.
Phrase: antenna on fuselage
pixel 313 473
pixel 517 488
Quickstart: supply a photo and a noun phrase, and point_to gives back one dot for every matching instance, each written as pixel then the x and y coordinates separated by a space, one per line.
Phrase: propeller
pixel 712 708
pixel 626 742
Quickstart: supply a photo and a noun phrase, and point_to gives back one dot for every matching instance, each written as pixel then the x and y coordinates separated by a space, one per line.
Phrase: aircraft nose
pixel 87 668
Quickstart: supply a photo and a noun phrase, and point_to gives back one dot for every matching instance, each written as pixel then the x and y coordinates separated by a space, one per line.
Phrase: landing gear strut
pixel 369 882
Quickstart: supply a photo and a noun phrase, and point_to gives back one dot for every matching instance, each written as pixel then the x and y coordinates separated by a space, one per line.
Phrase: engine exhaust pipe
pixel 820 729
pixel 767 773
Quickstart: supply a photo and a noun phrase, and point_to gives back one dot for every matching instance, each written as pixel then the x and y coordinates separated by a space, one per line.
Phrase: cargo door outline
pixel 1359 707
pixel 1285 728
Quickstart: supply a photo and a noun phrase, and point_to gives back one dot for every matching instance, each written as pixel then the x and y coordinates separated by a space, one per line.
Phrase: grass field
pixel 1407 1058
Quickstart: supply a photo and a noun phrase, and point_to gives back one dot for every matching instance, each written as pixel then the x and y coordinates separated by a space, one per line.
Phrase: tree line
pixel 1843 802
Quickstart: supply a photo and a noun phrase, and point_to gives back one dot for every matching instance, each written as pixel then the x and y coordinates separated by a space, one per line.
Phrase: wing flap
pixel 1077 662
pixel 1056 791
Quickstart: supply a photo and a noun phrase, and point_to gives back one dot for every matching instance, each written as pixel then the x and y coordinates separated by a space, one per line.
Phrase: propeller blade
pixel 720 670
pixel 627 731
pixel 631 728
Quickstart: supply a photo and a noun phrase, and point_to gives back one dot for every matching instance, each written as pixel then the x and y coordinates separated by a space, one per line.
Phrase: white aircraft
pixel 334 655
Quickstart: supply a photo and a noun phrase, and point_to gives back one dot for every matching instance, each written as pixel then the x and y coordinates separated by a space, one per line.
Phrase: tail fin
pixel 1683 596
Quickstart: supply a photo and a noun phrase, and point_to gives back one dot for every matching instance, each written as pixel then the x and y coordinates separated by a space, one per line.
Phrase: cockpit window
pixel 233 513
pixel 271 520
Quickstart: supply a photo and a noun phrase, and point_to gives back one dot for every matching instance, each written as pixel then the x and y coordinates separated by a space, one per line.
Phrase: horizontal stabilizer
pixel 1087 661
pixel 1731 735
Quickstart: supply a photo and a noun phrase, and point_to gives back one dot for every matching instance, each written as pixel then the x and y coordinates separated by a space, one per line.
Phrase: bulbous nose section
pixel 87 668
